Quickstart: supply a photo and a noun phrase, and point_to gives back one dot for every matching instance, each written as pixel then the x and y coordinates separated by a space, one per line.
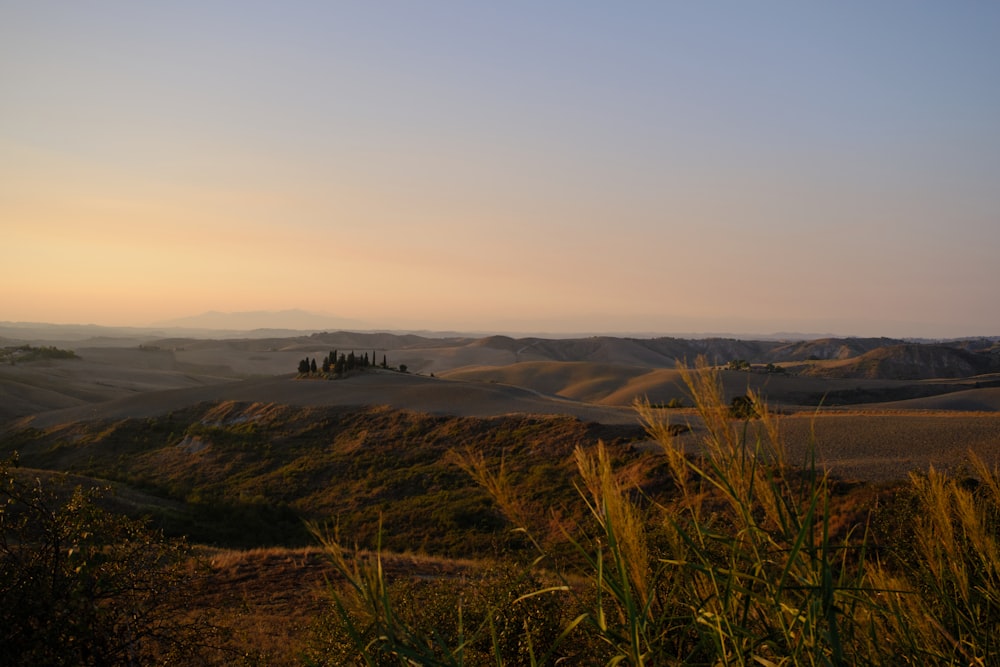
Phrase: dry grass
pixel 271 600
pixel 748 564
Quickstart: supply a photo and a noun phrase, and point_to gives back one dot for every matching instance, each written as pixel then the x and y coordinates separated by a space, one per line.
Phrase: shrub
pixel 80 586
pixel 741 407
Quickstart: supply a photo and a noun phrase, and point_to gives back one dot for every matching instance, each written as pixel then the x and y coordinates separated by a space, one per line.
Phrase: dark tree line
pixel 23 353
pixel 339 363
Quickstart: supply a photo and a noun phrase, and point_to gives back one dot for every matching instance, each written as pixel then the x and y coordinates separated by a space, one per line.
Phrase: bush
pixel 81 586
pixel 742 407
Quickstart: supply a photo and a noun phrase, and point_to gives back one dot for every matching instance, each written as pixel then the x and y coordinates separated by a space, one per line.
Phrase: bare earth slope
pixel 398 390
pixel 99 376
pixel 622 385
pixel 887 446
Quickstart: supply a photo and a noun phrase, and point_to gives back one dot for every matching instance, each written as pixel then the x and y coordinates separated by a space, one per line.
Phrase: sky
pixel 654 167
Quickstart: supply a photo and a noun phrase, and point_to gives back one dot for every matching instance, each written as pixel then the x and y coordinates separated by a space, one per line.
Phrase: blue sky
pixel 563 167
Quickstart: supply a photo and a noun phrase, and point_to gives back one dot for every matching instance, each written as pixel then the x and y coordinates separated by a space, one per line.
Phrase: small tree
pixel 81 586
pixel 303 366
pixel 312 366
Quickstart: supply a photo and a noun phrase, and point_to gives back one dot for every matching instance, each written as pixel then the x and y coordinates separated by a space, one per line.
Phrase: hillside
pixel 248 473
pixel 398 390
pixel 912 362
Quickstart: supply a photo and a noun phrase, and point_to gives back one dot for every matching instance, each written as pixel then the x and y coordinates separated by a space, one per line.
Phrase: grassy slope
pixel 246 474
pixel 250 472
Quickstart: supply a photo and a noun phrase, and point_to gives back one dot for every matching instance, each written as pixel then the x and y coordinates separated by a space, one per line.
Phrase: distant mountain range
pixel 260 324
pixel 292 320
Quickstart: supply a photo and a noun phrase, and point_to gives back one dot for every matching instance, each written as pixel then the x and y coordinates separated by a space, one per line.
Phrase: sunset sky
pixel 562 167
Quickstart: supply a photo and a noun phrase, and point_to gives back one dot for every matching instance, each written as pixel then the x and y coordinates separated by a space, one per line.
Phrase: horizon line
pixel 480 333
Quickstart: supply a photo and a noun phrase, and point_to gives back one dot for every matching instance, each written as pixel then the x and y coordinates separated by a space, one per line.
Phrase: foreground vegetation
pixel 83 586
pixel 591 547
pixel 740 568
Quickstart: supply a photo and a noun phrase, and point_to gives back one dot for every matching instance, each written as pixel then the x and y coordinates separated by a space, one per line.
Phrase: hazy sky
pixel 547 166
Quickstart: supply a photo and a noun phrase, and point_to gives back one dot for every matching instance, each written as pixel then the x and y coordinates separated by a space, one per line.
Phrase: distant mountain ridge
pixel 292 320
pixel 667 351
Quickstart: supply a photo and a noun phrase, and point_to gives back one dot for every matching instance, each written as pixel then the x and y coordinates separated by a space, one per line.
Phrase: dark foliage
pixel 80 586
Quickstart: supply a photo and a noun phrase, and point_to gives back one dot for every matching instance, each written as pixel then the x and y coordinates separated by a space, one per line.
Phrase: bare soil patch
pixel 886 446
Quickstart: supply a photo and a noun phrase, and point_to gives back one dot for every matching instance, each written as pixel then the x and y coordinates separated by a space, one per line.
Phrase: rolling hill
pixel 911 361
pixel 494 374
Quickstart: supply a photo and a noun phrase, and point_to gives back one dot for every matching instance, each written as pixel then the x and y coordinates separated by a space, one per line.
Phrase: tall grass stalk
pixel 378 635
pixel 738 566
pixel 949 612
pixel 764 583
pixel 495 616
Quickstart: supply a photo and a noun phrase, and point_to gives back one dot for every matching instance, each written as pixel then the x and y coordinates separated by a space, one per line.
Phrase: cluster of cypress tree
pixel 339 363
